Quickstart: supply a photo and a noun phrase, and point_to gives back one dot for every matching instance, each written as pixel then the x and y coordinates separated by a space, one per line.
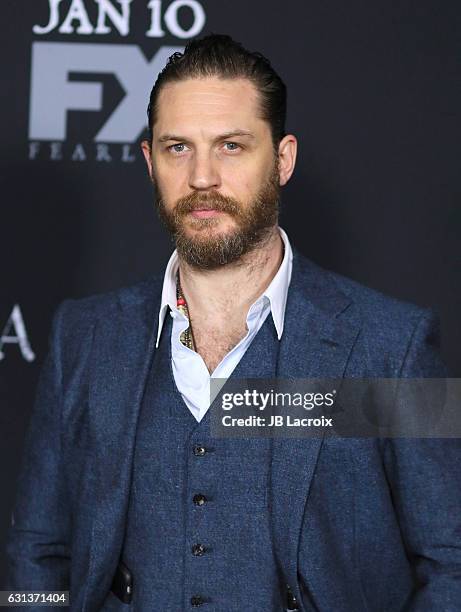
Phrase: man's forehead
pixel 209 99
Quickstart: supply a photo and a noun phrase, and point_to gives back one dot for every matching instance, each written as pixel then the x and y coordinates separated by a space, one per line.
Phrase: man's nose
pixel 203 173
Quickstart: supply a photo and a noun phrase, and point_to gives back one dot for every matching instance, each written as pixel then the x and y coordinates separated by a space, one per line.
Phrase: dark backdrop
pixel 374 98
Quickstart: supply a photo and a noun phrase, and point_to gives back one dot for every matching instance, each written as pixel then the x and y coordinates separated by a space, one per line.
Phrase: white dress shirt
pixel 190 372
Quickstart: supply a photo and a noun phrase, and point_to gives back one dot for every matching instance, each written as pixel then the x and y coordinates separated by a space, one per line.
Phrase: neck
pixel 230 290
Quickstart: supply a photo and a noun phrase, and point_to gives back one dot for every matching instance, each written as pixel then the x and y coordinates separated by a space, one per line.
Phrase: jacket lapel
pixel 316 343
pixel 123 347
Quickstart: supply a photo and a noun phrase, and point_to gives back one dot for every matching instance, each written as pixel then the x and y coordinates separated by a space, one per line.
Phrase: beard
pixel 207 248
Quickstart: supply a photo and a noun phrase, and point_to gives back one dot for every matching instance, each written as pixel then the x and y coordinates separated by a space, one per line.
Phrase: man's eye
pixel 180 147
pixel 232 146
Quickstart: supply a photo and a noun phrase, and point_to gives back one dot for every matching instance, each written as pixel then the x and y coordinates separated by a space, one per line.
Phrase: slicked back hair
pixel 218 55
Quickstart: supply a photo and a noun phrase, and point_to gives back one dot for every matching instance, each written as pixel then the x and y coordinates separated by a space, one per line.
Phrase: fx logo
pixel 52 94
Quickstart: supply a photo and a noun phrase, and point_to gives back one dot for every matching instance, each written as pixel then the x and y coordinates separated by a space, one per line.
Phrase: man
pixel 127 499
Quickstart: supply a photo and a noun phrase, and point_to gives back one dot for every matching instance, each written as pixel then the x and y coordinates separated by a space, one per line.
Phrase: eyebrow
pixel 167 137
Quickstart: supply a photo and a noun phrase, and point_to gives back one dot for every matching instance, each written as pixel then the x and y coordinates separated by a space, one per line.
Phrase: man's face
pixel 213 165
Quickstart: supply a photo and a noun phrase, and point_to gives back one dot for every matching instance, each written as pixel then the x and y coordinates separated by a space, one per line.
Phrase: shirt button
pixel 198 550
pixel 196 601
pixel 199 499
pixel 199 450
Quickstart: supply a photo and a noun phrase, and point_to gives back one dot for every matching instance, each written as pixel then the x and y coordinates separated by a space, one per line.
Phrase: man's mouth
pixel 204 213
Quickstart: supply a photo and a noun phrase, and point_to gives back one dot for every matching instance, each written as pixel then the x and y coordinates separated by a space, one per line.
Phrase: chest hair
pixel 212 343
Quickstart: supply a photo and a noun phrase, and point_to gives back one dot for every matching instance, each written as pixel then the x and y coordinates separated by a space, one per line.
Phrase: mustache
pixel 212 200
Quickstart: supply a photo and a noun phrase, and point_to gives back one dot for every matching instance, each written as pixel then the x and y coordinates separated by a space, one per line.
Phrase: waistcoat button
pixel 199 499
pixel 199 450
pixel 196 601
pixel 198 550
pixel 292 603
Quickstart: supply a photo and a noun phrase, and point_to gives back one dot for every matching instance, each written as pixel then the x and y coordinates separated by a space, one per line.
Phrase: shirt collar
pixel 276 292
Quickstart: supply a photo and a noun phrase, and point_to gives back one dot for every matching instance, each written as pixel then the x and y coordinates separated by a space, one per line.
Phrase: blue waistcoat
pixel 198 534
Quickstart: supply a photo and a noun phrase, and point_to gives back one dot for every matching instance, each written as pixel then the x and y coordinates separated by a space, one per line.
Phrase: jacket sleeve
pixel 425 479
pixel 38 550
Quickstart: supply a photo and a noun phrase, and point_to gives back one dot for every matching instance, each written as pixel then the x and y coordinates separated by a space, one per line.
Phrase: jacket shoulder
pixel 390 328
pixel 375 305
pixel 101 304
pixel 74 319
pixel 368 304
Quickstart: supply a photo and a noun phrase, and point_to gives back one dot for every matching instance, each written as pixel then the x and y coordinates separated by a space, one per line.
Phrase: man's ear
pixel 287 157
pixel 147 152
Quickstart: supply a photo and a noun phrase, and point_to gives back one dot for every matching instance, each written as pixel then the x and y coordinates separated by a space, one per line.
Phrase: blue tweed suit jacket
pixel 358 524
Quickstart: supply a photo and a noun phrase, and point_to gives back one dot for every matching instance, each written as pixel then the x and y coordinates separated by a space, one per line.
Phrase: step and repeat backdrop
pixel 374 94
